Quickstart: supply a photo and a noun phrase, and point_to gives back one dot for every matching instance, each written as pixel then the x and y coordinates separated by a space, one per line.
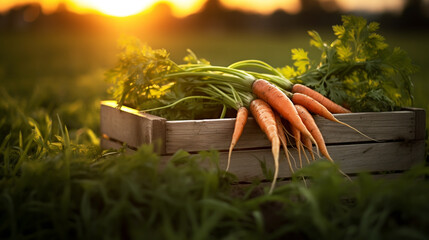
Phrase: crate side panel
pixel 382 126
pixel 132 127
pixel 211 134
pixel 356 158
pixel 420 123
pixel 369 157
pixel 216 134
pixel 119 125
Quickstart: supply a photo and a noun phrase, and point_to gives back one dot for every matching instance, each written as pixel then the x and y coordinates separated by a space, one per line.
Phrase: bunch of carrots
pixel 281 108
pixel 278 105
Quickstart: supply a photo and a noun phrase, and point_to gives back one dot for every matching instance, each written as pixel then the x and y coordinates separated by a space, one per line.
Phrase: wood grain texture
pixel 199 135
pixel 131 126
pixel 420 122
pixel 401 135
pixel 135 128
pixel 356 158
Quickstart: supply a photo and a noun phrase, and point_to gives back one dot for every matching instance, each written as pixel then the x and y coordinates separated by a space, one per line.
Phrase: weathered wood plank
pixel 131 126
pixel 284 181
pixel 350 158
pixel 382 126
pixel 418 151
pixel 216 134
pixel 354 158
pixel 211 134
pixel 420 122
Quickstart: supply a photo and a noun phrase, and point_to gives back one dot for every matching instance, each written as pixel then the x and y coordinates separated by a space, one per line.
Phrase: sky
pixel 182 8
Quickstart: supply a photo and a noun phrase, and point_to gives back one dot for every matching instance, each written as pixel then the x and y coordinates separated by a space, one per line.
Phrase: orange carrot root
pixel 288 133
pixel 240 122
pixel 283 140
pixel 297 137
pixel 317 108
pixel 305 154
pixel 281 103
pixel 311 125
pixel 265 118
pixel 309 146
pixel 330 105
pixel 309 122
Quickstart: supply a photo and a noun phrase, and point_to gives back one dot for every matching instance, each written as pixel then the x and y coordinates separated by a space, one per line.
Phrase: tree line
pixel 213 16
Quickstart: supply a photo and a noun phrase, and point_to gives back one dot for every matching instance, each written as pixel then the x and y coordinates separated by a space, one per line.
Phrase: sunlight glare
pixel 121 8
pixel 263 6
pixel 182 8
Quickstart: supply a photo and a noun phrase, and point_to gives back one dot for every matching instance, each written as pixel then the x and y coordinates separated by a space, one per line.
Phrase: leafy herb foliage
pixel 137 81
pixel 357 69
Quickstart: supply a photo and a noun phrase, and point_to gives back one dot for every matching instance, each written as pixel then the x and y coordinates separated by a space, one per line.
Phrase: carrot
pixel 330 105
pixel 240 122
pixel 283 140
pixel 311 125
pixel 280 102
pixel 297 136
pixel 287 127
pixel 309 122
pixel 305 154
pixel 317 108
pixel 265 118
pixel 307 143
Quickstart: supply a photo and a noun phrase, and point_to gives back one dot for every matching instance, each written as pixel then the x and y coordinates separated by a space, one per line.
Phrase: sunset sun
pixel 119 8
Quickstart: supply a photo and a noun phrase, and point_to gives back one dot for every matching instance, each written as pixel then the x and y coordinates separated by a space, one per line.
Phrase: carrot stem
pixel 179 101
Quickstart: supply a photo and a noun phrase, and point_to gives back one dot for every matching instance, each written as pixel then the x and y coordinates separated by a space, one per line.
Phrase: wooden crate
pixel 400 136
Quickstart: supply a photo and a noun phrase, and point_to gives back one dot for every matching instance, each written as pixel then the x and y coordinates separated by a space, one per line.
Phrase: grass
pixel 56 182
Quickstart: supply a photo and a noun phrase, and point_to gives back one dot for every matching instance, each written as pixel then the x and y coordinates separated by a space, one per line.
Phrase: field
pixel 55 181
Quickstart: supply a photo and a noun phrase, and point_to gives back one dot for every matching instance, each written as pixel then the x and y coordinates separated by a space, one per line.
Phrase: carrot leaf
pixel 357 69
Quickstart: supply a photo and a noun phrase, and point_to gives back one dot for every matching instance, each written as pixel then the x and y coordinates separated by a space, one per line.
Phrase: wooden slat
pixel 382 126
pixel 200 135
pixel 280 182
pixel 420 123
pixel 355 158
pixel 131 126
pixel 211 134
pixel 367 157
pixel 418 151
